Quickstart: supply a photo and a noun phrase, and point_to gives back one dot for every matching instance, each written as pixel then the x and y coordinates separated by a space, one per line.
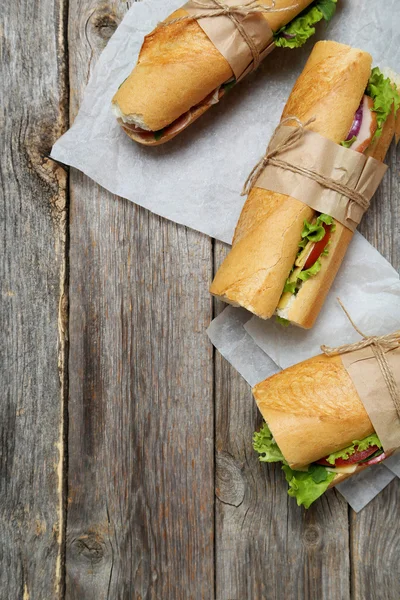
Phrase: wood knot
pixel 102 23
pixel 40 137
pixel 90 547
pixel 312 536
pixel 230 485
pixel 106 26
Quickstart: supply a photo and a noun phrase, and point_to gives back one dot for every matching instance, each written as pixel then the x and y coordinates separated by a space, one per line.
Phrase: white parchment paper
pixel 196 178
pixel 244 340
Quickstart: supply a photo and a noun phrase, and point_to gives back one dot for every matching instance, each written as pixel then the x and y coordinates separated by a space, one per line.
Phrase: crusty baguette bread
pixel 178 66
pixel 312 409
pixel 307 304
pixel 149 139
pixel 269 229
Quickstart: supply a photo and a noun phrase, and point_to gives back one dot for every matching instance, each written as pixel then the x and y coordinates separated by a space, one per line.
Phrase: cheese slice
pixel 348 469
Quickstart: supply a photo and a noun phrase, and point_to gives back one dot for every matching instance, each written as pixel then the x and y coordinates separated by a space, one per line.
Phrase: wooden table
pixel 127 470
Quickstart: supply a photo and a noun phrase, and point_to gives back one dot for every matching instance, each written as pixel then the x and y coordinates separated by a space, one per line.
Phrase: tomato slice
pixel 318 248
pixel 353 459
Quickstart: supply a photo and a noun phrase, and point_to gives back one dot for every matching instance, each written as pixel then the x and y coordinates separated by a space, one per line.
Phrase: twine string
pixel 217 8
pixel 379 345
pixel 290 141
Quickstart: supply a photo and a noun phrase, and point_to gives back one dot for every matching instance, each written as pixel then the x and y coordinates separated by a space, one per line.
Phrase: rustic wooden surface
pixel 34 107
pixel 161 495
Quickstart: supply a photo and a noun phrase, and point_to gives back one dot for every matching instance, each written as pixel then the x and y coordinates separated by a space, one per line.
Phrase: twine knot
pixel 217 8
pixel 271 157
pixel 379 345
pixel 294 136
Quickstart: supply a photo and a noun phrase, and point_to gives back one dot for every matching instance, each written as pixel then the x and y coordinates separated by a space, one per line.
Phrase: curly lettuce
pixel 371 440
pixel 312 271
pixel 315 232
pixel 308 485
pixel 385 96
pixel 265 445
pixel 348 143
pixel 312 232
pixel 299 30
pixel 305 486
pixel 282 321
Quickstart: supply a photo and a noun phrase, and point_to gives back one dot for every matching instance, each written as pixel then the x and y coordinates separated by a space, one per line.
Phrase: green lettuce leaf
pixel 349 143
pixel 265 445
pixel 282 321
pixel 371 440
pixel 312 232
pixel 300 29
pixel 290 286
pixel 228 85
pixel 315 232
pixel 158 134
pixel 327 219
pixel 385 97
pixel 307 486
pixel 305 275
pixel 328 8
pixel 326 249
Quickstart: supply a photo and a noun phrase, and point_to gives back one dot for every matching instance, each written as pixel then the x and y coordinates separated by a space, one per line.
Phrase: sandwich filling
pixel 311 482
pixel 380 99
pixel 292 35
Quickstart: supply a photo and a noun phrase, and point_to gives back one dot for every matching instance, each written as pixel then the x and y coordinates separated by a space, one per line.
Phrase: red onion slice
pixel 355 128
pixel 376 460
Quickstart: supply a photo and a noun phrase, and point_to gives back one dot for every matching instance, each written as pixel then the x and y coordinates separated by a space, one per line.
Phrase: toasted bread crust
pixel 311 297
pixel 269 229
pixel 312 409
pixel 178 66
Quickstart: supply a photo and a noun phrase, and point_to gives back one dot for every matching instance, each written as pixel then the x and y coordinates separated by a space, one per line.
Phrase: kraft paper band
pixel 226 37
pixel 312 152
pixel 373 364
pixel 370 384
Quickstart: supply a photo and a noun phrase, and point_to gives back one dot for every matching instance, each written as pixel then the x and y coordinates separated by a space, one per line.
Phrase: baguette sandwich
pixel 316 425
pixel 180 73
pixel 284 254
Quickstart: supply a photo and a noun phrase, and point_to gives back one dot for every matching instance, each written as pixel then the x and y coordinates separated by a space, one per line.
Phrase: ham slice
pixel 179 124
pixel 368 127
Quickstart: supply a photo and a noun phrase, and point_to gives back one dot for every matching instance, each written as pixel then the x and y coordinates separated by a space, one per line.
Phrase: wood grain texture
pixel 143 437
pixel 375 547
pixel 141 461
pixel 33 304
pixel 266 546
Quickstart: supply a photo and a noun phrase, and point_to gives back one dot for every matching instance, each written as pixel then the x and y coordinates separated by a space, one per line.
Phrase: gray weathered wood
pixel 258 529
pixel 33 313
pixel 141 462
pixel 375 547
pixel 141 417
pixel 266 546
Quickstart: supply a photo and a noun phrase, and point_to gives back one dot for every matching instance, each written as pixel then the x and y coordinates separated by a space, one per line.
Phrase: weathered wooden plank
pixel 141 461
pixel 267 547
pixel 256 530
pixel 33 312
pixel 375 547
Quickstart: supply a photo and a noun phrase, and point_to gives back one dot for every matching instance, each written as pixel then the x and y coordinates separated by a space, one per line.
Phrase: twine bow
pixel 217 8
pixel 379 345
pixel 291 140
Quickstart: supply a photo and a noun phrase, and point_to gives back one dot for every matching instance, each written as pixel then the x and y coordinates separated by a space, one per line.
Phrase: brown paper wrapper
pixel 226 38
pixel 367 377
pixel 331 160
